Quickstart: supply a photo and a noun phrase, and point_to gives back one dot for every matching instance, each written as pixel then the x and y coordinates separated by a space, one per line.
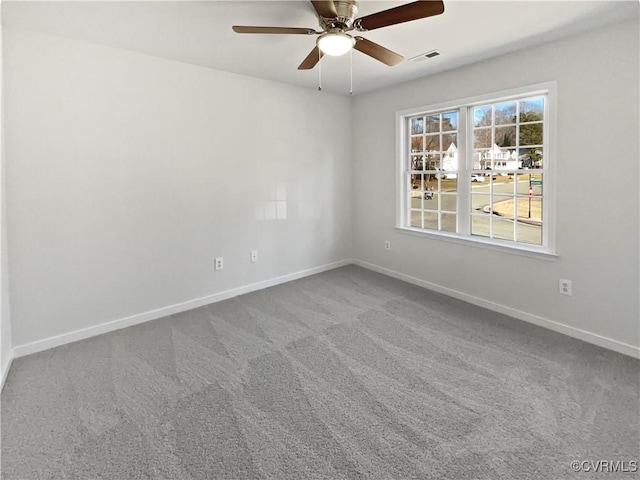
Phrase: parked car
pixel 476 177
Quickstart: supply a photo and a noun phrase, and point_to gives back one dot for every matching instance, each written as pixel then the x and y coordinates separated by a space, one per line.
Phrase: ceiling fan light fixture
pixel 335 44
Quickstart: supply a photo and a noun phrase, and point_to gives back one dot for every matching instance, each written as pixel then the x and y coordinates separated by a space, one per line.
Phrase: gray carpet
pixel 343 375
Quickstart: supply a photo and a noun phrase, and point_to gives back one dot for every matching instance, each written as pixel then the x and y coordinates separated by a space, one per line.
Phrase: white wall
pixel 597 189
pixel 5 324
pixel 127 174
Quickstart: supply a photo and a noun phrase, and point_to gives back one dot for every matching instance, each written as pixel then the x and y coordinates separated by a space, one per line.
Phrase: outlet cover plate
pixel 565 287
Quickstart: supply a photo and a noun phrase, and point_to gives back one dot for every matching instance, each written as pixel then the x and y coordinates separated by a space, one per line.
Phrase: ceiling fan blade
pixel 325 9
pixel 403 13
pixel 377 51
pixel 285 30
pixel 311 60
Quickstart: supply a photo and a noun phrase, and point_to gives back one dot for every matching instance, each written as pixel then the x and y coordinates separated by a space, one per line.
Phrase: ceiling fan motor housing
pixel 347 11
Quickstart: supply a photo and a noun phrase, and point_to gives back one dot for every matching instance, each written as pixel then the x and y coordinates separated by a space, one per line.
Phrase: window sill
pixel 479 242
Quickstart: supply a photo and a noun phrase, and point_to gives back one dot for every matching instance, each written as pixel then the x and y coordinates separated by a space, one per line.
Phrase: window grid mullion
pixel 465 164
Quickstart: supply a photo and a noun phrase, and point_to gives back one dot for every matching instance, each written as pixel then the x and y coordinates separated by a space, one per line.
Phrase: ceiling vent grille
pixel 426 55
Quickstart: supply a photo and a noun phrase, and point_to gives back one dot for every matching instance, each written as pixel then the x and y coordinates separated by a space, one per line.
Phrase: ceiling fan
pixel 338 17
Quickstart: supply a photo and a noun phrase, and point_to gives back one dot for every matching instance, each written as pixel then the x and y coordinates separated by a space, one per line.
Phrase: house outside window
pixel 480 169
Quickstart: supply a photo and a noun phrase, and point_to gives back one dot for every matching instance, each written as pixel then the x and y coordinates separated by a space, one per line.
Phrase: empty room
pixel 320 240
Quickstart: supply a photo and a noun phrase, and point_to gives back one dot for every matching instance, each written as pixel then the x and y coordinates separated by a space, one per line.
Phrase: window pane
pixel 416 181
pixel 490 158
pixel 431 220
pixel 417 144
pixel 433 123
pixel 449 121
pixel 449 183
pixel 503 228
pixel 482 138
pixel 448 202
pixel 480 202
pixel 415 201
pixel 482 116
pixel 432 162
pixel 506 136
pixel 450 158
pixel 480 225
pixel 479 159
pixel 432 142
pixel 504 184
pixel 448 222
pixel 531 134
pixel 530 209
pixel 530 157
pixel 505 113
pixel 416 219
pixel 417 125
pixel 533 182
pixel 532 109
pixel 529 233
pixel 478 180
pixel 523 184
pixel 502 205
pixel 429 194
pixel 415 162
pixel 450 142
pixel 536 184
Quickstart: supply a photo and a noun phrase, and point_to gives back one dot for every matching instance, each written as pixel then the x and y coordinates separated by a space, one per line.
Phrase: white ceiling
pixel 200 33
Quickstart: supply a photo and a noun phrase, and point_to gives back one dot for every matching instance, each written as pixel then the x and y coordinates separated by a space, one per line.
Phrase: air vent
pixel 425 56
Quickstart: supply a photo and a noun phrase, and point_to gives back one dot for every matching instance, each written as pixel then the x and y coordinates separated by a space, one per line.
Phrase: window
pixel 433 171
pixel 479 169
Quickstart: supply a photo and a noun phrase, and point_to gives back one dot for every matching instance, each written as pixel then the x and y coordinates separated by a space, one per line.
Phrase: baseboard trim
pixel 574 332
pixel 5 371
pixel 81 334
pixel 63 339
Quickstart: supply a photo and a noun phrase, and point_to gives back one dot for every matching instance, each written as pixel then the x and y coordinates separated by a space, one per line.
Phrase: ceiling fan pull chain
pixel 319 70
pixel 351 71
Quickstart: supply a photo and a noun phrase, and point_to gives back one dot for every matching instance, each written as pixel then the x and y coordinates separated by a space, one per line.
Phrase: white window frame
pixel 465 130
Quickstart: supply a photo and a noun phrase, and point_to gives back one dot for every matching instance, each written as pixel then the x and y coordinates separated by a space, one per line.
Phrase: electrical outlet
pixel 254 256
pixel 219 265
pixel 565 287
pixel 387 245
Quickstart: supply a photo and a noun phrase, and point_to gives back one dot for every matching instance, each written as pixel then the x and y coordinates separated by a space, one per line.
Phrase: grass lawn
pixel 529 209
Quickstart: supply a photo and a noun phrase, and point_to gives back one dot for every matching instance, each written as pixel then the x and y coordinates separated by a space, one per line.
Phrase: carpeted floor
pixel 343 375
